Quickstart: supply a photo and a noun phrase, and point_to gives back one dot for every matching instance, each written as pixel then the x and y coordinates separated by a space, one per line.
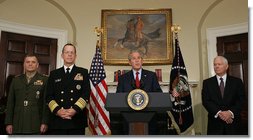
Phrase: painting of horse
pixel 149 33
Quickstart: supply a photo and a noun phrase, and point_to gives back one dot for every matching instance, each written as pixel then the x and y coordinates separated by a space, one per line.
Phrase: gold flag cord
pixel 99 32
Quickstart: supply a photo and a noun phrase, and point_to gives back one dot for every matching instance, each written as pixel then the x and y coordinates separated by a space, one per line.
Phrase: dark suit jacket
pixel 213 102
pixel 149 82
pixel 66 91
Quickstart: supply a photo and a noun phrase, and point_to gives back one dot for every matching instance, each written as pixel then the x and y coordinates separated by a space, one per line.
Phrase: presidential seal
pixel 137 99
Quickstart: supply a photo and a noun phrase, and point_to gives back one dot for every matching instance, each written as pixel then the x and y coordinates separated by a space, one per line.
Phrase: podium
pixel 116 103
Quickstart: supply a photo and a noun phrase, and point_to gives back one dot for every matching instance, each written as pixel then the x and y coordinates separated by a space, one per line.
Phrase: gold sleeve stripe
pixel 81 103
pixel 52 105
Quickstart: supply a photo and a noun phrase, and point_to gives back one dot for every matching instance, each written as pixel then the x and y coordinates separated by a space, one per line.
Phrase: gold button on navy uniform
pixel 71 99
pixel 25 103
pixel 62 92
pixel 71 91
pixel 61 100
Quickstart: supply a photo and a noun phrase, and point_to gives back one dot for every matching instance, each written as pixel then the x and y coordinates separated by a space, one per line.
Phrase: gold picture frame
pixel 146 30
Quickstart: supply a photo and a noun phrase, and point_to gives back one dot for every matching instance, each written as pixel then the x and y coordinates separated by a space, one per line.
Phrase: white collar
pixel 70 68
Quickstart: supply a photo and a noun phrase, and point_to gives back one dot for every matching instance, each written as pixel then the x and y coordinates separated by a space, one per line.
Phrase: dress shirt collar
pixel 70 68
pixel 224 78
pixel 134 73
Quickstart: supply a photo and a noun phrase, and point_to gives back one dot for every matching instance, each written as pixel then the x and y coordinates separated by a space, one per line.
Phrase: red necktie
pixel 137 81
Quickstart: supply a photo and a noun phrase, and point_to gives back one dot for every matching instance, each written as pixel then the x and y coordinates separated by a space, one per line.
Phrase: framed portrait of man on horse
pixel 146 30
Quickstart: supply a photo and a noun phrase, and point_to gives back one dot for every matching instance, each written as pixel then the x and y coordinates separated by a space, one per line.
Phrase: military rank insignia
pixel 78 77
pixel 37 94
pixel 38 82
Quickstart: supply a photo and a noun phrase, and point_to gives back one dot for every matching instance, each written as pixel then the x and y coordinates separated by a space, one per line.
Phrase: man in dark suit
pixel 68 92
pixel 222 96
pixel 26 111
pixel 148 82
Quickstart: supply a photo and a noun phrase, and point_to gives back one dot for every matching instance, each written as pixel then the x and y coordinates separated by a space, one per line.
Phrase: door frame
pixel 213 33
pixel 60 35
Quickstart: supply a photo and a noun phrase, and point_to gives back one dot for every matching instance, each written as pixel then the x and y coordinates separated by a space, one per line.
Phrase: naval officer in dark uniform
pixel 68 92
pixel 27 112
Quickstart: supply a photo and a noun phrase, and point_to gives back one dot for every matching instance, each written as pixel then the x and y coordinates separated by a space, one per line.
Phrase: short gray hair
pixel 222 58
pixel 134 51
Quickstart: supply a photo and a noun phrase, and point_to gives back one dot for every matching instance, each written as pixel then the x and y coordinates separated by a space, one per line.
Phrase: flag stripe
pixel 100 94
pixel 101 111
pixel 96 104
pixel 98 118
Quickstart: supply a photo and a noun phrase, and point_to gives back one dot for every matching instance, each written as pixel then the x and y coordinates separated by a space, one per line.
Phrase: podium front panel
pixel 158 102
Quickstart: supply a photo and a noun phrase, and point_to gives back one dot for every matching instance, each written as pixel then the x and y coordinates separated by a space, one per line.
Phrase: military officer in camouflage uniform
pixel 26 109
pixel 68 92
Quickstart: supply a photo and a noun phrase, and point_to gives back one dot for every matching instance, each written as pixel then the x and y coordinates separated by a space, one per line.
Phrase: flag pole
pixel 175 29
pixel 99 32
pixel 98 121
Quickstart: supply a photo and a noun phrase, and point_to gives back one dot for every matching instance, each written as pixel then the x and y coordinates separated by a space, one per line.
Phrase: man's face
pixel 31 64
pixel 136 61
pixel 69 55
pixel 220 67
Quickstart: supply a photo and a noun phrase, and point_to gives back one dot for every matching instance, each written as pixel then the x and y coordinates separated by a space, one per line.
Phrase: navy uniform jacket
pixel 148 81
pixel 213 102
pixel 26 108
pixel 68 91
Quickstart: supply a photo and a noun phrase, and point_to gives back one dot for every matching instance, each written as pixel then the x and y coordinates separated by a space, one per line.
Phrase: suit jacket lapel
pixel 216 87
pixel 64 77
pixel 24 80
pixel 227 85
pixel 68 78
pixel 131 79
pixel 144 78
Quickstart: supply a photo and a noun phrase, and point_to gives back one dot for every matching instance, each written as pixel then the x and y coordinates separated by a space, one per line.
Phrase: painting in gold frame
pixel 145 30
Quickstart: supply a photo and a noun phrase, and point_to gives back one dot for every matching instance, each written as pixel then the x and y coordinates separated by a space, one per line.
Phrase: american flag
pixel 98 116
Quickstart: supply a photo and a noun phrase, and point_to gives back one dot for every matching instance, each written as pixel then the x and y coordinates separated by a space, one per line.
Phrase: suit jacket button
pixel 71 99
pixel 71 91
pixel 61 100
pixel 62 92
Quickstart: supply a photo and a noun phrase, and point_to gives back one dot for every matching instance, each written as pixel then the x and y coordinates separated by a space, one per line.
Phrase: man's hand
pixel 71 112
pixel 63 114
pixel 43 128
pixel 226 116
pixel 9 129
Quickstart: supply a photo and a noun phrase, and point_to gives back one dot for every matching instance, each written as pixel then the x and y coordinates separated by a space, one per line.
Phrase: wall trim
pixel 60 35
pixel 213 33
